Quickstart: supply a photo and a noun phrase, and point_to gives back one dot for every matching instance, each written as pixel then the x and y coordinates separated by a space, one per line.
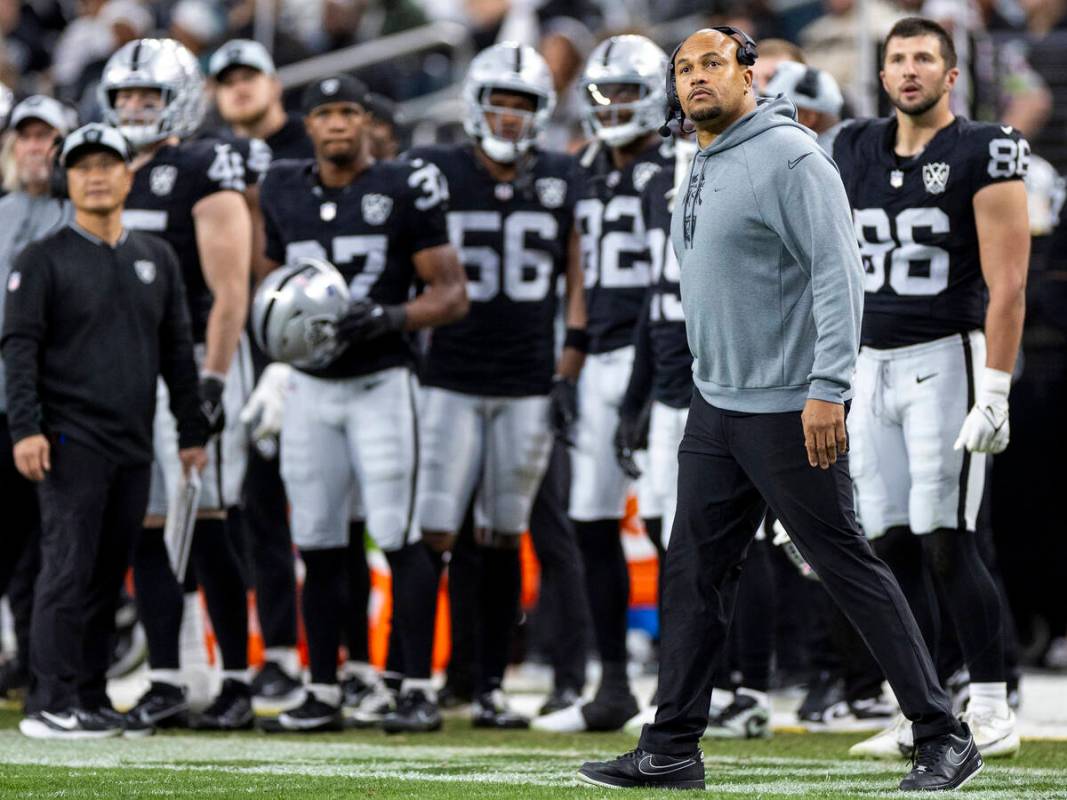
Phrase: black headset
pixel 746 56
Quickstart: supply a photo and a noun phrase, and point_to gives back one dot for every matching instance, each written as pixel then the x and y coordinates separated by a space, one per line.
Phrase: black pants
pixel 729 465
pixel 90 511
pixel 19 546
pixel 270 547
pixel 563 610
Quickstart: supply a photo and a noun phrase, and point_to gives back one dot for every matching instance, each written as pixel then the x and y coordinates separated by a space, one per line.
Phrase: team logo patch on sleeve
pixel 643 173
pixel 161 179
pixel 935 177
pixel 376 208
pixel 551 191
pixel 14 281
pixel 146 270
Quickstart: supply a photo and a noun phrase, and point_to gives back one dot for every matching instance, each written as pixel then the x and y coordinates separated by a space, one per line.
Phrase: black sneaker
pixel 638 769
pixel 609 711
pixel 943 762
pixel 415 713
pixel 132 728
pixel 274 690
pixel 162 706
pixel 744 718
pixel 311 715
pixel 559 700
pixel 824 693
pixel 14 677
pixel 353 690
pixel 231 710
pixel 70 724
pixel 490 710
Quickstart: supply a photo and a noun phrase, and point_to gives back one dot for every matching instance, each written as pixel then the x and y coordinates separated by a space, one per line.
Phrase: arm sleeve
pixel 426 202
pixel 25 329
pixel 176 361
pixel 810 211
pixel 273 246
pixel 639 389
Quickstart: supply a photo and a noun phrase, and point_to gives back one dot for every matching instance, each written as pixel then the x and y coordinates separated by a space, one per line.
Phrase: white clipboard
pixel 181 519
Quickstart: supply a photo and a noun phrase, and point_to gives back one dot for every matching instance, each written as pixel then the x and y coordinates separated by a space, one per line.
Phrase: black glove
pixel 366 320
pixel 563 408
pixel 211 404
pixel 627 435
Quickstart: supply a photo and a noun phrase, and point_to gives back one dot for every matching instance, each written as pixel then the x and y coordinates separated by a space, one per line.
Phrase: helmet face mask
pixel 163 65
pixel 623 91
pixel 511 69
pixel 295 313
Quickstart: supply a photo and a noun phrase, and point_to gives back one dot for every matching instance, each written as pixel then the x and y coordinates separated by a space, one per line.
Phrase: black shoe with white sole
pixel 313 715
pixel 642 770
pixel 162 706
pixel 275 690
pixel 559 700
pixel 72 724
pixel 943 762
pixel 415 713
pixel 491 710
pixel 231 710
pixel 132 728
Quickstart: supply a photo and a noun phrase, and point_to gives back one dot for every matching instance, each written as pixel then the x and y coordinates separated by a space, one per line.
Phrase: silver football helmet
pixel 508 67
pixel 162 64
pixel 1046 191
pixel 7 102
pixel 625 59
pixel 295 313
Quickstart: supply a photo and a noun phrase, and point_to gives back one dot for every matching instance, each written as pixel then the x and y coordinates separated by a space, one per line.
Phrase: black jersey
pixel 291 140
pixel 672 363
pixel 162 199
pixel 915 223
pixel 513 242
pixel 615 255
pixel 369 230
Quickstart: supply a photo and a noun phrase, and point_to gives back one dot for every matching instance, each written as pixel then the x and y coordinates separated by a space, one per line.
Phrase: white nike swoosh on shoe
pixel 68 722
pixel 666 769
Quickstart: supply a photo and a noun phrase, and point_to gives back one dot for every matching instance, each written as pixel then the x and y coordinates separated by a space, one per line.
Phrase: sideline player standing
pixel 191 194
pixel 352 423
pixel 622 88
pixel 484 416
pixel 941 217
pixel 771 291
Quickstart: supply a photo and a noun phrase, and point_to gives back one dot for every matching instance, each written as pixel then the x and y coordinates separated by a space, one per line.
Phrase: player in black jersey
pixel 352 422
pixel 248 97
pixel 623 93
pixel 484 420
pixel 940 214
pixel 190 194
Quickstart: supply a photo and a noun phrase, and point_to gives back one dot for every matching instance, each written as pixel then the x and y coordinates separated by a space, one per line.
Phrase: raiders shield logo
pixel 14 281
pixel 330 86
pixel 935 177
pixel 327 211
pixel 146 270
pixel 643 173
pixel 161 180
pixel 376 208
pixel 551 191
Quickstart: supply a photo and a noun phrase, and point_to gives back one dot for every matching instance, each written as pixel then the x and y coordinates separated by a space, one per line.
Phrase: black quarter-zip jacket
pixel 87 330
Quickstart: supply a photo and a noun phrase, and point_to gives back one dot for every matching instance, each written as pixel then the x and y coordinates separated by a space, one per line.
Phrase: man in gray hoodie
pixel 772 292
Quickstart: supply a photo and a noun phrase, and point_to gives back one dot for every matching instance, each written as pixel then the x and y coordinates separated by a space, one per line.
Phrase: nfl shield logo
pixel 161 180
pixel 896 178
pixel 643 173
pixel 146 270
pixel 551 191
pixel 327 211
pixel 376 208
pixel 935 177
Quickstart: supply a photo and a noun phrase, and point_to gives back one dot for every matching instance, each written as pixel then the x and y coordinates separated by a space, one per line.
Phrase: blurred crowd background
pixel 1013 60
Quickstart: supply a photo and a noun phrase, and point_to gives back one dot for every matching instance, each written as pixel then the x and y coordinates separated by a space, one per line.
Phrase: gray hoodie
pixel 772 284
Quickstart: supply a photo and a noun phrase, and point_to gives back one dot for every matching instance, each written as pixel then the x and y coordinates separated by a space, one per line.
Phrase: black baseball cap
pixel 334 89
pixel 382 108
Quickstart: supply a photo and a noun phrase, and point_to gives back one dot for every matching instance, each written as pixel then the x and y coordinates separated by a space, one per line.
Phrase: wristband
pixel 577 339
pixel 995 383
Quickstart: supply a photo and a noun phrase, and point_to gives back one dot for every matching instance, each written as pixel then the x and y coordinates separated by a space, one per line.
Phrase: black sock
pixel 215 559
pixel 323 600
pixel 356 627
pixel 464 580
pixel 902 551
pixel 972 599
pixel 607 584
pixel 159 599
pixel 415 602
pixel 501 586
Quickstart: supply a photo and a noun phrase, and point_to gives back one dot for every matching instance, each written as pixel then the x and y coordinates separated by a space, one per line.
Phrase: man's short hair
pixel 910 27
pixel 780 48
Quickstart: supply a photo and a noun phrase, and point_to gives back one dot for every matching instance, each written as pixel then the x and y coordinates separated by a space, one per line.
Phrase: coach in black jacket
pixel 94 313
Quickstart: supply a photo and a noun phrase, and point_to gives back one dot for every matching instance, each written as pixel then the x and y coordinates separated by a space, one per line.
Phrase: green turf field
pixel 461 764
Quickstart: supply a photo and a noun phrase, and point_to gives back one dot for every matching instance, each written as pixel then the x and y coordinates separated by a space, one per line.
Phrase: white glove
pixel 266 405
pixel 986 428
